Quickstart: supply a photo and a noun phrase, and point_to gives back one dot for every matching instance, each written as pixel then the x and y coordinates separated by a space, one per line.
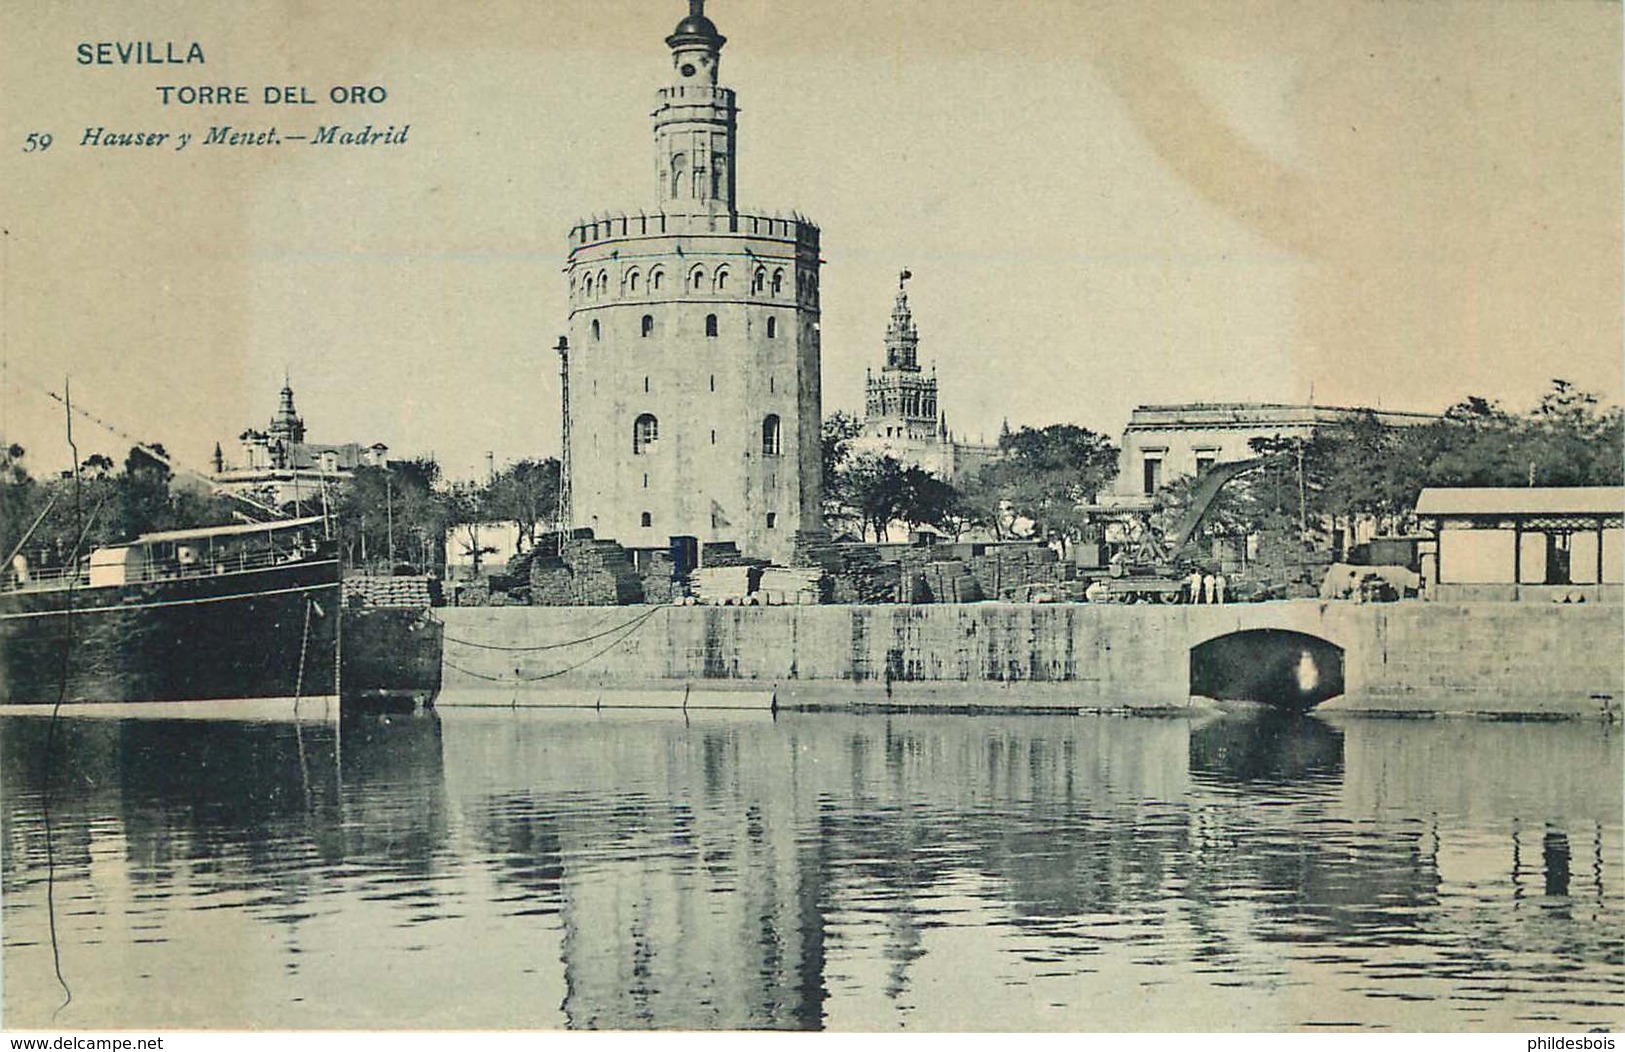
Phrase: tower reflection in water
pixel 599 870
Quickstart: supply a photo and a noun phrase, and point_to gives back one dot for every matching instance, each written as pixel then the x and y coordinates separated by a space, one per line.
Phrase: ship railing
pixel 61 577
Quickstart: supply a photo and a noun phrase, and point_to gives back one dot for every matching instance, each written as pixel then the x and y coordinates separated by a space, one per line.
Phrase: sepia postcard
pixel 908 515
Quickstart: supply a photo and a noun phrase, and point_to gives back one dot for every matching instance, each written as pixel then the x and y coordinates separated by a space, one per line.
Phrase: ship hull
pixel 390 658
pixel 268 633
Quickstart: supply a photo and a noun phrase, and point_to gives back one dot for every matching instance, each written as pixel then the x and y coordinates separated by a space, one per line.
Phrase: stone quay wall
pixel 1399 658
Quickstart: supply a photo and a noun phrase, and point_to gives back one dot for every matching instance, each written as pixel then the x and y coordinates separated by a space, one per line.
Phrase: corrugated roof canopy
pixel 238 530
pixel 1518 500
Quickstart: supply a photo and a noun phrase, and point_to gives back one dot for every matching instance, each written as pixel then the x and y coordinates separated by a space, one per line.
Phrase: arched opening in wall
pixel 596 331
pixel 645 433
pixel 648 325
pixel 632 282
pixel 696 279
pixel 722 279
pixel 772 520
pixel 778 282
pixel 603 282
pixel 679 174
pixel 772 328
pixel 1289 670
pixel 646 520
pixel 588 285
pixel 759 281
pixel 710 324
pixel 656 280
pixel 772 436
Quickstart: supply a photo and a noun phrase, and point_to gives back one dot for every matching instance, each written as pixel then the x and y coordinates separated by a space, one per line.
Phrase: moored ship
pixel 217 614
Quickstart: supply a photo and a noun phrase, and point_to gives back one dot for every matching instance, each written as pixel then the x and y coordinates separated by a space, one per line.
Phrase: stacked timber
pixel 400 593
pixel 724 585
pixel 950 581
pixel 658 586
pixel 723 553
pixel 791 586
pixel 1017 572
pixel 588 572
pixel 862 576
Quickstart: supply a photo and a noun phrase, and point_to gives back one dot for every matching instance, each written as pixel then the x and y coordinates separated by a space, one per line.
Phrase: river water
pixel 497 869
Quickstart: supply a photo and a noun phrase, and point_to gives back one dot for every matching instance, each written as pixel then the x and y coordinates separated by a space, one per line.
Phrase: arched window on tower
pixel 679 174
pixel 772 328
pixel 603 282
pixel 645 433
pixel 632 282
pixel 646 519
pixel 696 279
pixel 648 325
pixel 759 281
pixel 778 282
pixel 595 330
pixel 719 175
pixel 656 279
pixel 772 436
pixel 710 324
pixel 588 285
pixel 722 279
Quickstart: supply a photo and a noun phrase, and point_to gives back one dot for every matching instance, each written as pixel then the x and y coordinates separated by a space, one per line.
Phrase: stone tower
pixel 901 403
pixel 694 405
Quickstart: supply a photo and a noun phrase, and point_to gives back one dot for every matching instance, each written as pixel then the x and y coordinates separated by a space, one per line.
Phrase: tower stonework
pixel 695 401
pixel 901 403
pixel 901 416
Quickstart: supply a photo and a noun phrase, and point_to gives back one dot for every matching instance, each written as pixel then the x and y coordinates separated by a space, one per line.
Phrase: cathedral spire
pixel 902 339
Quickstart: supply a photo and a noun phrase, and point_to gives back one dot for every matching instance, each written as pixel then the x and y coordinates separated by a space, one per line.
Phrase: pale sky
pixel 1103 204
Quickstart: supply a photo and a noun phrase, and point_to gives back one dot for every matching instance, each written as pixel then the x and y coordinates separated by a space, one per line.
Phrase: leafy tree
pixel 466 511
pixel 1045 476
pixel 873 489
pixel 525 493
pixel 838 431
pixel 926 500
pixel 393 513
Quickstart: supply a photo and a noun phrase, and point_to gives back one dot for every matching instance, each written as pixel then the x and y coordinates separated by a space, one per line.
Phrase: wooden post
pixel 1517 557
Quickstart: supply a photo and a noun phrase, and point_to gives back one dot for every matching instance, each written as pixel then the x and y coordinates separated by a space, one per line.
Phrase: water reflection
pixel 1267 747
pixel 495 869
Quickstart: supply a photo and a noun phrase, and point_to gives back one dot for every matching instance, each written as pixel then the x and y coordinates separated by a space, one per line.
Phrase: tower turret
pixel 695 122
pixel 286 424
pixel 902 338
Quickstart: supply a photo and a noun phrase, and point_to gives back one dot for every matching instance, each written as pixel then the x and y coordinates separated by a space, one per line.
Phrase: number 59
pixel 37 141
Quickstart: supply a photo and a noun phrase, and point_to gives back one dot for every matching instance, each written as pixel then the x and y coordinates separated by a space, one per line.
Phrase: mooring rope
pixel 544 646
pixel 304 645
pixel 629 629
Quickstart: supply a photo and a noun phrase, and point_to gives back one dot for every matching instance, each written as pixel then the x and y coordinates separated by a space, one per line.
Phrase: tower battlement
pixel 798 230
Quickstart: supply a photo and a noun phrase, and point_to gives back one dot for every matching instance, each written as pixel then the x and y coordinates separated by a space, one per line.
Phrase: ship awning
pixel 243 529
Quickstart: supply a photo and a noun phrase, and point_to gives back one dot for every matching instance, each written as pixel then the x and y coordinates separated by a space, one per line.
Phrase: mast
pixel 564 511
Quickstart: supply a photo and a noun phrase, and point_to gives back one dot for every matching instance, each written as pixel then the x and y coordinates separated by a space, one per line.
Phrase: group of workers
pixel 1203 588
